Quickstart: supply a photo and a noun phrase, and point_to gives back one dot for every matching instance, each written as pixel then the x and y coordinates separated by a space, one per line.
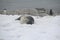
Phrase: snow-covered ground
pixel 45 28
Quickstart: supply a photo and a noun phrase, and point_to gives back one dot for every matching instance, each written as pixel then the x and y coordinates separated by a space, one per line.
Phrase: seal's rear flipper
pixel 18 18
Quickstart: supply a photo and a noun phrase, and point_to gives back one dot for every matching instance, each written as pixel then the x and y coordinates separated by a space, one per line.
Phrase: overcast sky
pixel 17 4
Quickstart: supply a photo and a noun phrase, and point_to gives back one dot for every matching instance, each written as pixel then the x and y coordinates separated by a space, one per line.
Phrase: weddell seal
pixel 26 20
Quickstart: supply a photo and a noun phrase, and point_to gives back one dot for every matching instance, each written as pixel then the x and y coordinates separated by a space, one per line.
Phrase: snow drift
pixel 45 28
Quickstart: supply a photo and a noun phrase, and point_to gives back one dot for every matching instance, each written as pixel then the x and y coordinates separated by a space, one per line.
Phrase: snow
pixel 45 28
